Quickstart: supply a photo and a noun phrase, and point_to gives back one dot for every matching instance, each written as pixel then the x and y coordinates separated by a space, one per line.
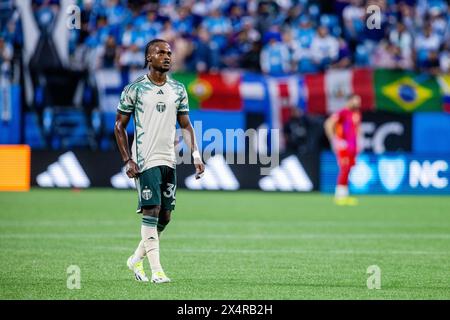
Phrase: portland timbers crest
pixel 146 194
pixel 161 107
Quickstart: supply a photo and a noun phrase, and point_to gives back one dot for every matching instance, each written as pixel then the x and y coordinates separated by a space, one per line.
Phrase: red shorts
pixel 346 157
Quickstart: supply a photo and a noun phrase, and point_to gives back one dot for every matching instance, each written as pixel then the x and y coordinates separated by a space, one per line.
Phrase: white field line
pixel 129 249
pixel 280 251
pixel 265 236
pixel 209 223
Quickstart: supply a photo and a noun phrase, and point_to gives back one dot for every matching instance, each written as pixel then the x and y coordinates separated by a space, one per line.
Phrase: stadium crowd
pixel 275 37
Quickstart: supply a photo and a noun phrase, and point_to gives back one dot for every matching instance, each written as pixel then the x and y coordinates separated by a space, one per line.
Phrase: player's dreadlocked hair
pixel 148 46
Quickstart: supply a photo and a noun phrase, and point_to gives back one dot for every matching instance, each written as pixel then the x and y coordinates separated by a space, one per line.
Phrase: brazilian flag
pixel 401 91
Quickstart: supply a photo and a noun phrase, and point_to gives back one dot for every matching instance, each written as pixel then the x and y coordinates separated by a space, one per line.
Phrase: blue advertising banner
pixel 212 127
pixel 390 173
pixel 10 114
pixel 431 132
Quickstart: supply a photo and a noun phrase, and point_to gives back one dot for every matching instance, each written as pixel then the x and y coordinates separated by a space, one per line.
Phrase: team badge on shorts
pixel 146 194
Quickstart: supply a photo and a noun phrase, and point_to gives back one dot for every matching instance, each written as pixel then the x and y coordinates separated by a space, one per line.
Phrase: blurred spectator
pixel 438 22
pixel 427 45
pixel 325 48
pixel 108 53
pixel 416 30
pixel 219 27
pixel 275 57
pixel 133 58
pixel 401 37
pixel 267 16
pixel 149 26
pixel 301 132
pixel 103 30
pixel 344 59
pixel 116 13
pixel 406 13
pixel 181 50
pixel 248 27
pixel 131 35
pixel 236 17
pixel 204 53
pixel 251 60
pixel 303 59
pixel 386 55
pixel 303 36
pixel 168 33
pixel 184 23
pixel 305 32
pixel 200 8
pixel 6 10
pixel 6 56
pixel 444 58
pixel 353 16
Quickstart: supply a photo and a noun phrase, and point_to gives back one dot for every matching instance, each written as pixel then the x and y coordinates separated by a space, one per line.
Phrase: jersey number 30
pixel 170 192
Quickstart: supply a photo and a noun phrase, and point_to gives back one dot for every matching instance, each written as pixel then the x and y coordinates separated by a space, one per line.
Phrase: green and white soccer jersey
pixel 155 110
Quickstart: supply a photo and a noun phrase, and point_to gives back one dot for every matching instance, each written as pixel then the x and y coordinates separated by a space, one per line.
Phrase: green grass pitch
pixel 226 245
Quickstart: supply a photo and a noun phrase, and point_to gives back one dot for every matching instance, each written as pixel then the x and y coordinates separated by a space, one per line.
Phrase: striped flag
pixel 328 92
pixel 212 91
pixel 444 83
pixel 284 93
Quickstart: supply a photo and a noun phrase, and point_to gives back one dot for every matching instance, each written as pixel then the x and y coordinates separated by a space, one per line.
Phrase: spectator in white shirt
pixel 444 58
pixel 132 57
pixel 402 39
pixel 324 48
pixel 353 16
pixel 427 45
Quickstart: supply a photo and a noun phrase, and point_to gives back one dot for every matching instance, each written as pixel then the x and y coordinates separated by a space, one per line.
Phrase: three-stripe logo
pixel 65 173
pixel 289 176
pixel 218 176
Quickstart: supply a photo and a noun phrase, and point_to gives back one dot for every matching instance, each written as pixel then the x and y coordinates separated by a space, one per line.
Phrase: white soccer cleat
pixel 160 277
pixel 138 269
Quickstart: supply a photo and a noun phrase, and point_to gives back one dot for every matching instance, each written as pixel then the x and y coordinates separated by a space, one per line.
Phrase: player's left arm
pixel 189 138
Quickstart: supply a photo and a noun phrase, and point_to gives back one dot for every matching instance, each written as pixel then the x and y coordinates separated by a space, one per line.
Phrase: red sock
pixel 344 172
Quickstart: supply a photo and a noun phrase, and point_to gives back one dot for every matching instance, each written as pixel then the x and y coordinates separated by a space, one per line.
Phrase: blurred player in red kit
pixel 343 130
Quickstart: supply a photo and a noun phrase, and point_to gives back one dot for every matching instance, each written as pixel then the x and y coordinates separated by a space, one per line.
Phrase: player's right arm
pixel 124 111
pixel 120 131
pixel 330 130
pixel 330 126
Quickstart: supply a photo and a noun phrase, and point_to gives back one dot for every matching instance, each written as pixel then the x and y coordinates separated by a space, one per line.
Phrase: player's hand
pixel 132 169
pixel 199 168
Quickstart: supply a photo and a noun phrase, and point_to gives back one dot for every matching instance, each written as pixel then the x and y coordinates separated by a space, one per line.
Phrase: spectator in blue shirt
pixel 305 32
pixel 149 25
pixel 236 15
pixel 116 13
pixel 275 56
pixel 219 27
pixel 204 54
pixel 184 23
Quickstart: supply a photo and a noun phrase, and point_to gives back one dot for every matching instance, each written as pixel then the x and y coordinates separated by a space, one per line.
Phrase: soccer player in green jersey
pixel 156 102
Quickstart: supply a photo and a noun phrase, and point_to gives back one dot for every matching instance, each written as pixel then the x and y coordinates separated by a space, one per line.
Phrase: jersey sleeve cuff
pixel 124 112
pixel 183 112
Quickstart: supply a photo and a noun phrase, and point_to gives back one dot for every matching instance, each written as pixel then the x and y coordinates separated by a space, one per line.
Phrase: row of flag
pixel 324 93
pixel 381 89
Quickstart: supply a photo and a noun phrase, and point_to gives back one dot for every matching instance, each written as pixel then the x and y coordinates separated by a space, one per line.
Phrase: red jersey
pixel 347 127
